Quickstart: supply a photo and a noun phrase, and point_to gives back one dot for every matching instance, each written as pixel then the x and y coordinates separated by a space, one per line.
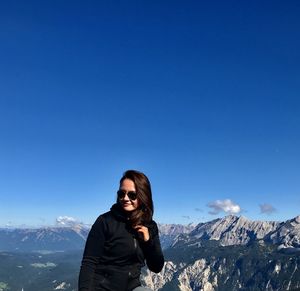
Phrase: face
pixel 127 204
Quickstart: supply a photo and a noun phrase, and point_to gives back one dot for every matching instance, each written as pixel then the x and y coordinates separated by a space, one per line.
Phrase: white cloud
pixel 66 221
pixel 9 224
pixel 226 205
pixel 267 208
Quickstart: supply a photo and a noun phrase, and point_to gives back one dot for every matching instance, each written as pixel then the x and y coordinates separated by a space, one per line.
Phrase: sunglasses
pixel 130 194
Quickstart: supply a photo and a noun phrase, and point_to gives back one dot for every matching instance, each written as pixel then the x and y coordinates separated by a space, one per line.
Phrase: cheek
pixel 137 203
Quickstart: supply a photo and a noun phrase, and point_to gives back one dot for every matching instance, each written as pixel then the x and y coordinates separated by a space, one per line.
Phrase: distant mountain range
pixel 43 239
pixel 230 253
pixel 234 230
pixel 230 230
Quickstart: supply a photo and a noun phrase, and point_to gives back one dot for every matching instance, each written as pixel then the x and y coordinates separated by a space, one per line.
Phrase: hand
pixel 143 231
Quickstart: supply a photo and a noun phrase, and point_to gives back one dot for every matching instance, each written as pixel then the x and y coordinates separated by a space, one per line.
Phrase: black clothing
pixel 114 254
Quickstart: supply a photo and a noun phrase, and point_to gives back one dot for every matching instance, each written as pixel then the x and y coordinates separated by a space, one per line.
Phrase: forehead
pixel 127 185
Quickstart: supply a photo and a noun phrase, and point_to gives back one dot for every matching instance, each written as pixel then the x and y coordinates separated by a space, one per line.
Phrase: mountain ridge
pixel 224 254
pixel 228 230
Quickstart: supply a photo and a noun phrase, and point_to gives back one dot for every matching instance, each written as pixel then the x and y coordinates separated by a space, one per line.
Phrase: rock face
pixel 209 268
pixel 175 229
pixel 168 232
pixel 197 276
pixel 287 234
pixel 232 253
pixel 232 230
pixel 157 281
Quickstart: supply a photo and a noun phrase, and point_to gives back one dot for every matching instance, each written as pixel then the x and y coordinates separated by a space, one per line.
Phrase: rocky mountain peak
pixel 175 229
pixel 287 235
pixel 231 230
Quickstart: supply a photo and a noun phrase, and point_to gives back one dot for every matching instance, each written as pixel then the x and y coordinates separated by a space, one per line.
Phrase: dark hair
pixel 142 184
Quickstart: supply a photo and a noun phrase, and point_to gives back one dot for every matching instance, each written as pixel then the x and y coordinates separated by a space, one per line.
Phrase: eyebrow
pixel 122 189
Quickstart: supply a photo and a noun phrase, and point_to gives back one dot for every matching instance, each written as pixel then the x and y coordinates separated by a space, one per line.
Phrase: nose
pixel 126 198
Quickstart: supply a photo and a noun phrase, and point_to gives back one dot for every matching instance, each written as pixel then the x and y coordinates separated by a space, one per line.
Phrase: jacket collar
pixel 119 213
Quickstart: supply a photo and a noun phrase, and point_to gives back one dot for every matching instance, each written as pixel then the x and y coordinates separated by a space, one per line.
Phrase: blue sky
pixel 202 96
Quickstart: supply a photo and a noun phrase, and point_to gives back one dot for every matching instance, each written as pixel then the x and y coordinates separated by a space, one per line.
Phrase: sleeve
pixel 152 250
pixel 93 250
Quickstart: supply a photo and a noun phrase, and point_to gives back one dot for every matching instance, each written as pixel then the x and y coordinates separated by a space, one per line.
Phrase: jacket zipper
pixel 135 247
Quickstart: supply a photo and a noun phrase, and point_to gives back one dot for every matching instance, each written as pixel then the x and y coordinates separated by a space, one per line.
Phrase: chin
pixel 128 208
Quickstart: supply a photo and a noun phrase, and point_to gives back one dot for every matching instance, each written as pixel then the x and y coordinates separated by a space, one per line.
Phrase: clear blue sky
pixel 202 96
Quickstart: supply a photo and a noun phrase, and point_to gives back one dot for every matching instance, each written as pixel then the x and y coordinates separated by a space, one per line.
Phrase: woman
pixel 121 240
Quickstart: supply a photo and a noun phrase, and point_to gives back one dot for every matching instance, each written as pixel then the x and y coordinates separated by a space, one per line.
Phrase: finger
pixel 141 230
pixel 137 228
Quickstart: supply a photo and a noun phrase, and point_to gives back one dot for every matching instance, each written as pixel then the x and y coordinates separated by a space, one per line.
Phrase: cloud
pixel 198 209
pixel 186 216
pixel 66 221
pixel 226 205
pixel 9 224
pixel 267 209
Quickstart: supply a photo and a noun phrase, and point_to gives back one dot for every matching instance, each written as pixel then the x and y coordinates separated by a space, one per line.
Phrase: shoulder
pixel 104 217
pixel 152 226
pixel 105 224
pixel 152 223
pixel 103 221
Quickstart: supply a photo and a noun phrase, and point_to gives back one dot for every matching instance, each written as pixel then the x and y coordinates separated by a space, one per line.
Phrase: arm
pixel 93 250
pixel 152 250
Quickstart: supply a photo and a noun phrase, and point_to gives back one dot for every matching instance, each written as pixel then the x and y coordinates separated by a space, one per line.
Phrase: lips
pixel 126 204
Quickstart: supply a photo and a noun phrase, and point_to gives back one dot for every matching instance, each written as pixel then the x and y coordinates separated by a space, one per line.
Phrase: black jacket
pixel 114 254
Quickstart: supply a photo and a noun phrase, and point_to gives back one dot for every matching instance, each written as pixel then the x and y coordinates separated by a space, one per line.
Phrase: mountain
pixel 175 229
pixel 232 230
pixel 229 253
pixel 287 234
pixel 232 253
pixel 49 238
pixel 229 230
pixel 238 230
pixel 68 237
pixel 212 267
pixel 169 232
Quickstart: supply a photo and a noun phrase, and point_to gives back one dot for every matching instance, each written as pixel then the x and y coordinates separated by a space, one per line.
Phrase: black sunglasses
pixel 130 194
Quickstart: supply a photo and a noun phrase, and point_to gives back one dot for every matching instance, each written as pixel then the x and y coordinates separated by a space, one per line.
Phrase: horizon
pixel 202 97
pixel 87 225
